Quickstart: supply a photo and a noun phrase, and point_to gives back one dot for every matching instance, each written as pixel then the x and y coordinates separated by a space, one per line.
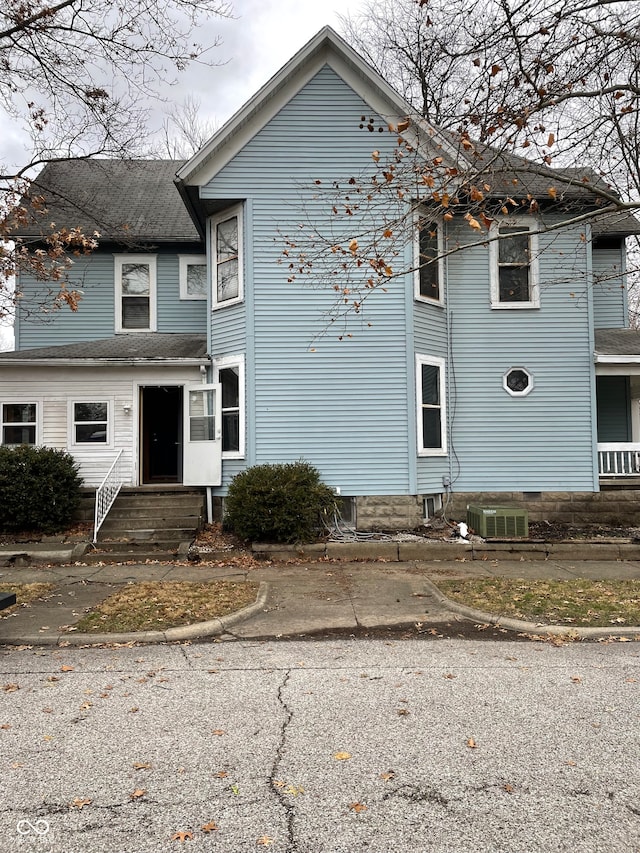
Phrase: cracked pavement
pixel 411 746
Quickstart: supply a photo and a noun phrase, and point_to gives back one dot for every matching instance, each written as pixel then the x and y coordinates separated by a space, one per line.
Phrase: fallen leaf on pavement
pixel 66 668
pixel 357 807
pixel 79 804
pixel 218 732
pixel 472 744
pixel 342 756
pixel 11 687
pixel 139 792
pixel 264 840
pixel 141 765
pixel 182 835
pixel 388 776
pixel 210 827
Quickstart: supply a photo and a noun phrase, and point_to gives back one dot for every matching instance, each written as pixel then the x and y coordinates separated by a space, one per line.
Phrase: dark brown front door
pixel 161 430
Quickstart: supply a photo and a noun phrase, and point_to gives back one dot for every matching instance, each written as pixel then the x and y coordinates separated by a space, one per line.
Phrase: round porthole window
pixel 518 382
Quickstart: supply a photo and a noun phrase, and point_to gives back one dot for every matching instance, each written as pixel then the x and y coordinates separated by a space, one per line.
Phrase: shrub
pixel 277 503
pixel 39 489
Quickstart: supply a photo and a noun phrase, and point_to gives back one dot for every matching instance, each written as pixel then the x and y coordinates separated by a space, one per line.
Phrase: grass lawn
pixel 155 606
pixel 576 602
pixel 25 594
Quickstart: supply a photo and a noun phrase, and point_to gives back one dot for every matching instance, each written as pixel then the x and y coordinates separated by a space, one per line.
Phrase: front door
pixel 161 431
pixel 203 435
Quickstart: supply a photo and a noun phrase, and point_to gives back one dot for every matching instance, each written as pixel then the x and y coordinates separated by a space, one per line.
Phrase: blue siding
pixel 609 292
pixel 543 441
pixel 95 318
pixel 342 407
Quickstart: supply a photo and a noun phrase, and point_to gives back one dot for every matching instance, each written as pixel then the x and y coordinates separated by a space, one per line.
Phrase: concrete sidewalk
pixel 294 599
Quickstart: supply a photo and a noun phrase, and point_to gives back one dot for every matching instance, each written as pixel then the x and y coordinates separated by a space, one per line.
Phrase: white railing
pixel 106 493
pixel 619 459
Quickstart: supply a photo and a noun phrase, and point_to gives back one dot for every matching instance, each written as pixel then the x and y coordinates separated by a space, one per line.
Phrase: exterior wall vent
pixel 498 522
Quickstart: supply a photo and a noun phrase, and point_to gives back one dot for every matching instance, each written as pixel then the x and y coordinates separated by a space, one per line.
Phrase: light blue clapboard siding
pixel 344 406
pixel 543 441
pixel 609 293
pixel 95 318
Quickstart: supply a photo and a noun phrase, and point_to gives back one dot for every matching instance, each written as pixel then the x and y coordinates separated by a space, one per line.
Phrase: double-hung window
pixel 19 423
pixel 135 283
pixel 230 375
pixel 514 264
pixel 427 251
pixel 430 395
pixel 226 244
pixel 193 276
pixel 91 422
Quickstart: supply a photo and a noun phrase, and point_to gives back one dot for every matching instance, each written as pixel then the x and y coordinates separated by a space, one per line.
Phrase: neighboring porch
pixel 617 359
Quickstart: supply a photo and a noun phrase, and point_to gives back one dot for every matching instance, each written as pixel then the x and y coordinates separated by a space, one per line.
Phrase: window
pixel 428 278
pixel 230 374
pixel 19 423
pixel 91 423
pixel 135 293
pixel 430 394
pixel 514 265
pixel 193 276
pixel 518 382
pixel 226 241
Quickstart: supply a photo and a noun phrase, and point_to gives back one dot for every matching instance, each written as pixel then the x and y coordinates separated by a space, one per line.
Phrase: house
pixel 192 356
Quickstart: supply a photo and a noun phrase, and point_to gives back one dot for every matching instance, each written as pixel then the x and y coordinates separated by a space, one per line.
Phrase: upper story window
pixel 514 265
pixel 135 293
pixel 226 243
pixel 430 395
pixel 91 423
pixel 427 249
pixel 19 423
pixel 193 276
pixel 230 374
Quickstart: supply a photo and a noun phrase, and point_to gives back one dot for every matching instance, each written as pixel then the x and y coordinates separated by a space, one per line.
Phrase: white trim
pixel 510 391
pixel 185 261
pixel 71 422
pixel 118 263
pixel 527 224
pixel 218 365
pixel 423 213
pixel 231 212
pixel 22 401
pixel 433 361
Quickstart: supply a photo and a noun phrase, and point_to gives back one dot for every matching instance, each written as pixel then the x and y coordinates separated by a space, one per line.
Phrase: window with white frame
pixel 226 243
pixel 230 375
pixel 428 275
pixel 135 283
pixel 514 264
pixel 19 423
pixel 90 422
pixel 193 276
pixel 430 395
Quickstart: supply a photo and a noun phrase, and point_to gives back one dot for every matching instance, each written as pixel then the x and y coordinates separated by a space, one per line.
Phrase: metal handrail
pixel 106 493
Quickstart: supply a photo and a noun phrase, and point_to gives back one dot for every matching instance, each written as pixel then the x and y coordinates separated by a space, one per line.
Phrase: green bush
pixel 277 503
pixel 39 489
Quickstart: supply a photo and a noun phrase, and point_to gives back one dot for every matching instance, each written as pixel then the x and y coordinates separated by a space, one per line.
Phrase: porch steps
pixel 152 519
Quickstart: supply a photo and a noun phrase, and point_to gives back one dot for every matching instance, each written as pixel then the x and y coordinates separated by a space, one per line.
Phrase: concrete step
pixel 143 517
pixel 148 535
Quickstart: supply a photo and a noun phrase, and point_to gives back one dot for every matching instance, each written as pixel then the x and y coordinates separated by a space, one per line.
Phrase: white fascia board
pixel 616 359
pixel 105 362
pixel 325 48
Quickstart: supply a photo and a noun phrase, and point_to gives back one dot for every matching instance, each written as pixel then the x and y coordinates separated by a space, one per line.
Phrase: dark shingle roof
pixel 154 346
pixel 617 342
pixel 121 199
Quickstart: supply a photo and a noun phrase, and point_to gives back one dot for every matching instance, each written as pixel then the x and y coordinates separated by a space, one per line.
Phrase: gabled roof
pixel 325 48
pixel 157 347
pixel 123 200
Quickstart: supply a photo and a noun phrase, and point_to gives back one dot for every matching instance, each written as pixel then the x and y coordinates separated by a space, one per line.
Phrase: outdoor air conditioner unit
pixel 498 522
